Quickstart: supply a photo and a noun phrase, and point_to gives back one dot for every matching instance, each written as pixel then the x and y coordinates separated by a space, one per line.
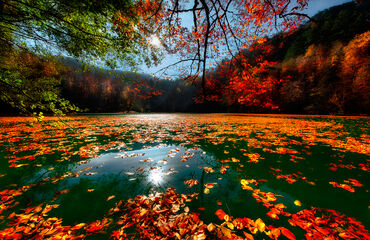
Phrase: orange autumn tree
pixel 248 80
pixel 355 68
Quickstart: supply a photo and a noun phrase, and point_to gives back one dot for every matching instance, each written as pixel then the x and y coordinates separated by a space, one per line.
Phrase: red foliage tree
pixel 218 28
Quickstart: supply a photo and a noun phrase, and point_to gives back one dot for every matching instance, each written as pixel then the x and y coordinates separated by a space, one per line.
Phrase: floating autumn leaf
pixel 353 182
pixel 210 185
pixel 220 214
pixel 344 186
pixel 223 169
pixel 260 225
pixel 82 162
pixel 273 213
pixel 253 157
pixel 245 184
pixel 208 169
pixel 234 160
pixel 287 233
pixel 230 225
pixel 191 182
pixel 78 226
pixel 97 226
pixel 248 236
pixel 163 161
pixel 289 178
pixel 206 190
pixel 210 227
pixel 110 197
pixel 298 203
pixel 17 165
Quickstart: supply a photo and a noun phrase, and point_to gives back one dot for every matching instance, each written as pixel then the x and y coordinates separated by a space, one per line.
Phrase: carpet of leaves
pixel 26 143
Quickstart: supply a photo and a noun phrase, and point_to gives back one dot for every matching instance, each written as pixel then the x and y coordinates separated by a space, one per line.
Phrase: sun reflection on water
pixel 156 177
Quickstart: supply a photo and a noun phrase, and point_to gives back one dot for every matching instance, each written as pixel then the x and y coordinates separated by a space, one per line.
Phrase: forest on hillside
pixel 321 68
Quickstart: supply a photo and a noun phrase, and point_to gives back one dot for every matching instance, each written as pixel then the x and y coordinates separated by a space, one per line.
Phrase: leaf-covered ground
pixel 182 176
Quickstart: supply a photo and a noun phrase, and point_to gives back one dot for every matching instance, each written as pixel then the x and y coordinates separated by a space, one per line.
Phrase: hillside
pixel 322 68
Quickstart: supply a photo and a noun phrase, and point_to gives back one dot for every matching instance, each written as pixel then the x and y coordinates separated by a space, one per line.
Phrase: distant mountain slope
pixel 341 23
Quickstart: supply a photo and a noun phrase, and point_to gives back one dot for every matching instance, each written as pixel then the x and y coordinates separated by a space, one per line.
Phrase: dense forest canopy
pixel 318 67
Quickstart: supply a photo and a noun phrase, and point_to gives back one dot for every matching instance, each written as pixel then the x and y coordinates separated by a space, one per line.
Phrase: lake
pixel 261 176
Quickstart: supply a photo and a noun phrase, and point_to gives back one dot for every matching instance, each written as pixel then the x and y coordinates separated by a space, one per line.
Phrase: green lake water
pixel 94 157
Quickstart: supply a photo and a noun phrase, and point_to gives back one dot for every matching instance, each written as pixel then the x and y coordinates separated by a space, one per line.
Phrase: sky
pixel 314 6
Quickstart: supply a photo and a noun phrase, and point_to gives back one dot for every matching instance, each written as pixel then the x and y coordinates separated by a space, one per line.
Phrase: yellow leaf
pixel 226 232
pixel 298 203
pixel 143 212
pixel 230 225
pixel 210 227
pixel 78 226
pixel 260 225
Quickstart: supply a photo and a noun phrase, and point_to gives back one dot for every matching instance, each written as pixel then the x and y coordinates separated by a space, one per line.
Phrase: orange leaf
pixel 110 197
pixel 275 233
pixel 220 214
pixel 287 233
pixel 248 236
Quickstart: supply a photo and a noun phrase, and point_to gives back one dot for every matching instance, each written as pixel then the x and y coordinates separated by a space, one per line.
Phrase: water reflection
pixel 160 166
pixel 156 177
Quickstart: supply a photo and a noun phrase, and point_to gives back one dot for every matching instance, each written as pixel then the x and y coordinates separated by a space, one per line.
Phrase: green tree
pixel 32 84
pixel 85 29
